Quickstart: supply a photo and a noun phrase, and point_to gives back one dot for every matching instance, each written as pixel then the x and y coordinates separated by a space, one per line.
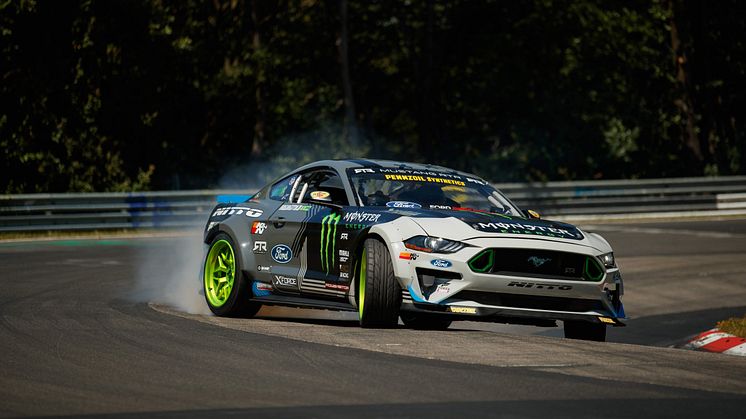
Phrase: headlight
pixel 608 260
pixel 433 244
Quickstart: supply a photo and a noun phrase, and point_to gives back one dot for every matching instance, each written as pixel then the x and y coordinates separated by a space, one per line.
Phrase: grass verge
pixel 734 326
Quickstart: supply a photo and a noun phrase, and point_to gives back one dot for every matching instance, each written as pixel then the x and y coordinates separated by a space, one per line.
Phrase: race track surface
pixel 90 328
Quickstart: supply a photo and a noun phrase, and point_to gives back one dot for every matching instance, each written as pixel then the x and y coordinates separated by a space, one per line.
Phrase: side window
pixel 324 185
pixel 280 191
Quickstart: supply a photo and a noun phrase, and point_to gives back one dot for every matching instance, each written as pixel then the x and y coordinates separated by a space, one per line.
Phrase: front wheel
pixel 581 330
pixel 379 293
pixel 226 289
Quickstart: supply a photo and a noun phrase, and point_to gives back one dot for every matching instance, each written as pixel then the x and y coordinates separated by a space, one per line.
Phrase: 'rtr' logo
pixel 260 247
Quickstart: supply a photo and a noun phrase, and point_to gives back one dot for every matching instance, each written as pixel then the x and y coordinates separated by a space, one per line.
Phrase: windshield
pixel 405 188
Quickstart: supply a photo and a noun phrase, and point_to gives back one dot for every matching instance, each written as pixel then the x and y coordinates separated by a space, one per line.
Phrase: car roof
pixel 342 165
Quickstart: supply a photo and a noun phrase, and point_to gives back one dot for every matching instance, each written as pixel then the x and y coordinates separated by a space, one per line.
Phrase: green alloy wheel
pixel 226 289
pixel 220 273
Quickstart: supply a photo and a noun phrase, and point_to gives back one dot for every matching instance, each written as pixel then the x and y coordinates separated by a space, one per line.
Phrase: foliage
pixel 153 94
pixel 734 326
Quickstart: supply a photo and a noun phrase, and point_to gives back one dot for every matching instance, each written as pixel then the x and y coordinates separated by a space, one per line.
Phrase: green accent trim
pixel 361 286
pixel 480 255
pixel 220 273
pixel 328 228
pixel 591 262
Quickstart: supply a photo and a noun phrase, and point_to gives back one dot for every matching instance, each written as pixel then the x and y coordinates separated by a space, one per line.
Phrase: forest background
pixel 115 95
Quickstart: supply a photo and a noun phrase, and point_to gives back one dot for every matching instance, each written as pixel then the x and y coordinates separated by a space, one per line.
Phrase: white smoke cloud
pixel 168 272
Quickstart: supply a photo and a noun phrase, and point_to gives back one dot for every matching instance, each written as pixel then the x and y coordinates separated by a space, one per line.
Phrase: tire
pixel 424 321
pixel 227 291
pixel 379 293
pixel 581 330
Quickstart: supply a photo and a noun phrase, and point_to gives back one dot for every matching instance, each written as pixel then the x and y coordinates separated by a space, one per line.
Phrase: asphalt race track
pixel 80 336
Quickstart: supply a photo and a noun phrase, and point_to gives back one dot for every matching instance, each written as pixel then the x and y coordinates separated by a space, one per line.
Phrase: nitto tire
pixel 226 289
pixel 379 293
pixel 424 321
pixel 585 330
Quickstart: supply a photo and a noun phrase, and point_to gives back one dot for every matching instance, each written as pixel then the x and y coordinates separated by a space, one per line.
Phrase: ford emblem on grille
pixel 441 263
pixel 282 253
pixel 537 261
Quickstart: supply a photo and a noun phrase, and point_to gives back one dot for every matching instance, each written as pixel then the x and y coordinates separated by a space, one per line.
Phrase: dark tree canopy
pixel 153 94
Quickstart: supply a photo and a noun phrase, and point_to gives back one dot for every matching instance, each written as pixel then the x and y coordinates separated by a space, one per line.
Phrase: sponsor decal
pixel 260 247
pixel 407 256
pixel 443 288
pixel 478 182
pixel 570 271
pixel 537 261
pixel 403 204
pixel 250 212
pixel 320 195
pixel 258 227
pixel 361 217
pixel 281 253
pixel 344 271
pixel 262 286
pixel 441 263
pixel 343 236
pixel 285 281
pixel 294 207
pixel 462 310
pixel 521 228
pixel 211 225
pixel 337 286
pixel 535 285
pixel 261 268
pixel 364 171
pixel 606 320
pixel 428 179
pixel 441 207
pixel 328 234
pixel 343 255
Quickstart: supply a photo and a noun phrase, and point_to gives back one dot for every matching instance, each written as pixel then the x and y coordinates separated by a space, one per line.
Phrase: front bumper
pixel 451 287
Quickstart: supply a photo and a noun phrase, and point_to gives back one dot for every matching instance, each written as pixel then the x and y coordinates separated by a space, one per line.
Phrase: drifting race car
pixel 421 242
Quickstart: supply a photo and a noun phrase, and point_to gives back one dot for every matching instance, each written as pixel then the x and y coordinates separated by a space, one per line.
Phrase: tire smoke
pixel 169 272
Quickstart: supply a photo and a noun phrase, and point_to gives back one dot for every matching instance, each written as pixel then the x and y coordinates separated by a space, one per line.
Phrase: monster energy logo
pixel 328 233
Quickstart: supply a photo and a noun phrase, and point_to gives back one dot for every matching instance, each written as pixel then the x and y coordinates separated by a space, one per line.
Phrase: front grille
pixel 578 305
pixel 537 263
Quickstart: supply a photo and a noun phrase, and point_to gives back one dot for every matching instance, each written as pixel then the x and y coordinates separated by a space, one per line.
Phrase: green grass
pixel 734 326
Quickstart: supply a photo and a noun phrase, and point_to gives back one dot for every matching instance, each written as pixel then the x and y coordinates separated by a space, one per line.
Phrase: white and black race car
pixel 425 243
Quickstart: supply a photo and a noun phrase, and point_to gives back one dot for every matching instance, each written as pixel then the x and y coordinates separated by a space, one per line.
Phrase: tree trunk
pixel 350 123
pixel 258 145
pixel 684 101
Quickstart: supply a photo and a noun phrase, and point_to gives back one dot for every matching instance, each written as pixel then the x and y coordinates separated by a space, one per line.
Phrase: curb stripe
pixel 717 341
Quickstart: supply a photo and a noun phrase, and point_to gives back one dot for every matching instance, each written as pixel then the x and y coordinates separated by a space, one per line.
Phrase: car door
pixel 306 229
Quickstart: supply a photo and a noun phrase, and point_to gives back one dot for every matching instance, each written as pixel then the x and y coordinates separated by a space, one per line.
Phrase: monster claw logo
pixel 328 233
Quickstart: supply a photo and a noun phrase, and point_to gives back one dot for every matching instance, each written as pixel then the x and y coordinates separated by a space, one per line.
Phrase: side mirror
pixel 532 214
pixel 322 196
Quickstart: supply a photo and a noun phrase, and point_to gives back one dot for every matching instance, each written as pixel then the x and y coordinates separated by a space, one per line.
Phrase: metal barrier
pixel 561 200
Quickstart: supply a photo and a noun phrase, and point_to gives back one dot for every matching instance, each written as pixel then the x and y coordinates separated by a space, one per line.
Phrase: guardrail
pixel 563 200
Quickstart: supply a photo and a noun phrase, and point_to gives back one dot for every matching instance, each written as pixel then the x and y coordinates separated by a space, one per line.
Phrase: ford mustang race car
pixel 393 240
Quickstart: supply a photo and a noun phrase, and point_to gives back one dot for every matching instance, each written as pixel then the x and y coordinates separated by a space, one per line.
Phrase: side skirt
pixel 281 300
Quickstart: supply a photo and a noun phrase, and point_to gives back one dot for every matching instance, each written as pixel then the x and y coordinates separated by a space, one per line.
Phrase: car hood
pixel 465 225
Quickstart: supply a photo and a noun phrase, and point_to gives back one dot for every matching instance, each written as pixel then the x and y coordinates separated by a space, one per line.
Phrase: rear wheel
pixel 424 321
pixel 226 290
pixel 379 293
pixel 581 330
